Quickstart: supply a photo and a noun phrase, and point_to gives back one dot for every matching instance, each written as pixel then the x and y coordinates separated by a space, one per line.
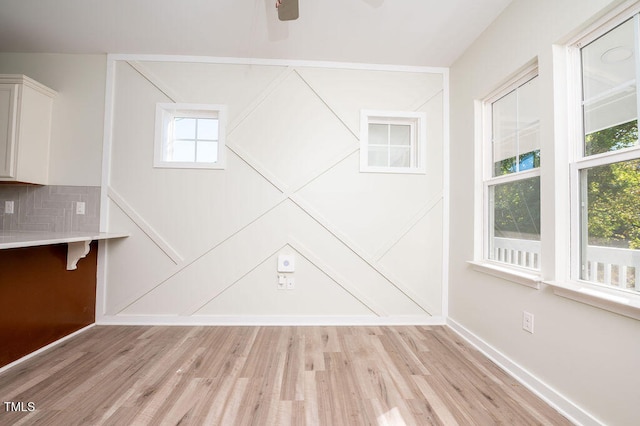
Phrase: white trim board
pixel 561 403
pixel 274 62
pixel 257 320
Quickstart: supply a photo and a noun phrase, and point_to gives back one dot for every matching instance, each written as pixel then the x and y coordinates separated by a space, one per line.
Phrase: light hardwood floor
pixel 267 376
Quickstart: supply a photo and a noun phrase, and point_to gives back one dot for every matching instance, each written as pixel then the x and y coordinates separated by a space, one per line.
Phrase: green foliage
pixel 517 209
pixel 613 191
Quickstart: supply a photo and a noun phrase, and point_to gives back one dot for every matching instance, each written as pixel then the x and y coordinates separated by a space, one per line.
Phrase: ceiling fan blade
pixel 287 10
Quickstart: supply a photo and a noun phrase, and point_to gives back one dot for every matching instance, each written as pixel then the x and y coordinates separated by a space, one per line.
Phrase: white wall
pixel 204 243
pixel 586 354
pixel 78 111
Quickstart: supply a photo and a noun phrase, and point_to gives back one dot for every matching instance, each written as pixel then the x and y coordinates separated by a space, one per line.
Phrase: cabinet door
pixel 8 104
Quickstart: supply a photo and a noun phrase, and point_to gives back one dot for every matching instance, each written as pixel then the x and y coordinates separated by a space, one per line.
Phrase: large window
pixel 606 170
pixel 512 174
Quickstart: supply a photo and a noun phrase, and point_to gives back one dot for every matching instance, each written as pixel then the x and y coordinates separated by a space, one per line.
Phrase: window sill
pixel 610 300
pixel 522 277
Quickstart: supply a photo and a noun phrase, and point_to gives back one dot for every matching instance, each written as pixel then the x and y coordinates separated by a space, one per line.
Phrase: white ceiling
pixel 402 32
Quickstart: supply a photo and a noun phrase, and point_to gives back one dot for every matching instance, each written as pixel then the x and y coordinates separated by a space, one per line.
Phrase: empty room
pixel 300 212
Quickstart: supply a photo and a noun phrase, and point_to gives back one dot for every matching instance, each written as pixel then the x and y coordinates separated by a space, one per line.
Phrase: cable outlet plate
pixel 527 321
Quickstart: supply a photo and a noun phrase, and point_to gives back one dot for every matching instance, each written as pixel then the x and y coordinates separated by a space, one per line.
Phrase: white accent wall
pixel 583 359
pixel 204 243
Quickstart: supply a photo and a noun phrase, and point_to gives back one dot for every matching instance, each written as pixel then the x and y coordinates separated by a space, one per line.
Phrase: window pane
pixel 528 118
pixel 378 156
pixel 505 116
pixel 208 129
pixel 378 134
pixel 400 134
pixel 514 209
pixel 207 152
pixel 611 224
pixel 184 128
pixel 400 157
pixel 515 131
pixel 528 105
pixel 504 156
pixel 612 139
pixel 183 151
pixel 530 160
pixel 609 87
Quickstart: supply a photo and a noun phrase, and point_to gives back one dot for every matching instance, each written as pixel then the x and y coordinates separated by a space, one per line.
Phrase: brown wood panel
pixel 40 301
pixel 116 375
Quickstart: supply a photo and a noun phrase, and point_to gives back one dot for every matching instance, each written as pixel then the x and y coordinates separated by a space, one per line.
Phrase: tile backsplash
pixel 50 208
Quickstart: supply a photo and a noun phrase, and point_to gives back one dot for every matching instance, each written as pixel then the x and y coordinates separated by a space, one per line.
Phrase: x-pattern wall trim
pixel 289 192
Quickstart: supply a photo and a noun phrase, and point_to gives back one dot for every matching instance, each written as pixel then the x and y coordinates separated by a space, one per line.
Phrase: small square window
pixel 189 136
pixel 392 142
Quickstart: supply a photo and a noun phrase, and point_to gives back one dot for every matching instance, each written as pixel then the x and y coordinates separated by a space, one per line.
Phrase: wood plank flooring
pixel 114 375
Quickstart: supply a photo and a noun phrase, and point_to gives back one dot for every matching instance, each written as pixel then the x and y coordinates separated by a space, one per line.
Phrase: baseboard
pixel 552 397
pixel 45 348
pixel 269 320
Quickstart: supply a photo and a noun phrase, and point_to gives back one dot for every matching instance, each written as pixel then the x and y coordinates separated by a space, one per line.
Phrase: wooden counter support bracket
pixel 76 251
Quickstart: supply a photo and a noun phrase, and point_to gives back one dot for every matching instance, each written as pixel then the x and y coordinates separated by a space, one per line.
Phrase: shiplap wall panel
pixel 346 91
pixel 292 133
pixel 358 203
pixel 135 264
pixel 425 241
pixel 183 205
pixel 292 184
pixel 234 85
pixel 315 294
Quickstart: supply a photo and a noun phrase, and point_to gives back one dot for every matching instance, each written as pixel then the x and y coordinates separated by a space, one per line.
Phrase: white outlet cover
pixel 286 263
pixel 80 207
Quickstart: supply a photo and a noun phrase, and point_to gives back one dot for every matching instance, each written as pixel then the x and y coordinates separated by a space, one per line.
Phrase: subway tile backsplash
pixel 50 208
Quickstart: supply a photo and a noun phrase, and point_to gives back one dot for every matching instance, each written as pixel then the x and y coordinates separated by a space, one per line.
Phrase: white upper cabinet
pixel 25 129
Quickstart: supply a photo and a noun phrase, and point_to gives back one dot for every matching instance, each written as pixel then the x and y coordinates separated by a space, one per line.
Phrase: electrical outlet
pixel 80 207
pixel 8 207
pixel 527 321
pixel 282 282
pixel 291 283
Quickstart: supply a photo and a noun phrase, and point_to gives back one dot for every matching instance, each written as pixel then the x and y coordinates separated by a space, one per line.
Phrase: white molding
pixel 144 226
pixel 355 249
pixel 288 192
pixel 612 300
pixel 271 87
pixel 411 223
pixel 277 62
pixel 555 399
pixel 509 273
pixel 324 102
pixel 190 261
pixel 326 269
pixel 194 308
pixel 45 348
pixel 446 211
pixel 273 320
pixel 258 167
pixel 155 81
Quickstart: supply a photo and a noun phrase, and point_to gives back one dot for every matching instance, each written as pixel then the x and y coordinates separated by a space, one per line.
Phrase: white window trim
pixel 602 296
pixel 165 112
pixel 484 178
pixel 418 121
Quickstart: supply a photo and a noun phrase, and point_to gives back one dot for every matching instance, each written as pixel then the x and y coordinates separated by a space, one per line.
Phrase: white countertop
pixel 18 239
